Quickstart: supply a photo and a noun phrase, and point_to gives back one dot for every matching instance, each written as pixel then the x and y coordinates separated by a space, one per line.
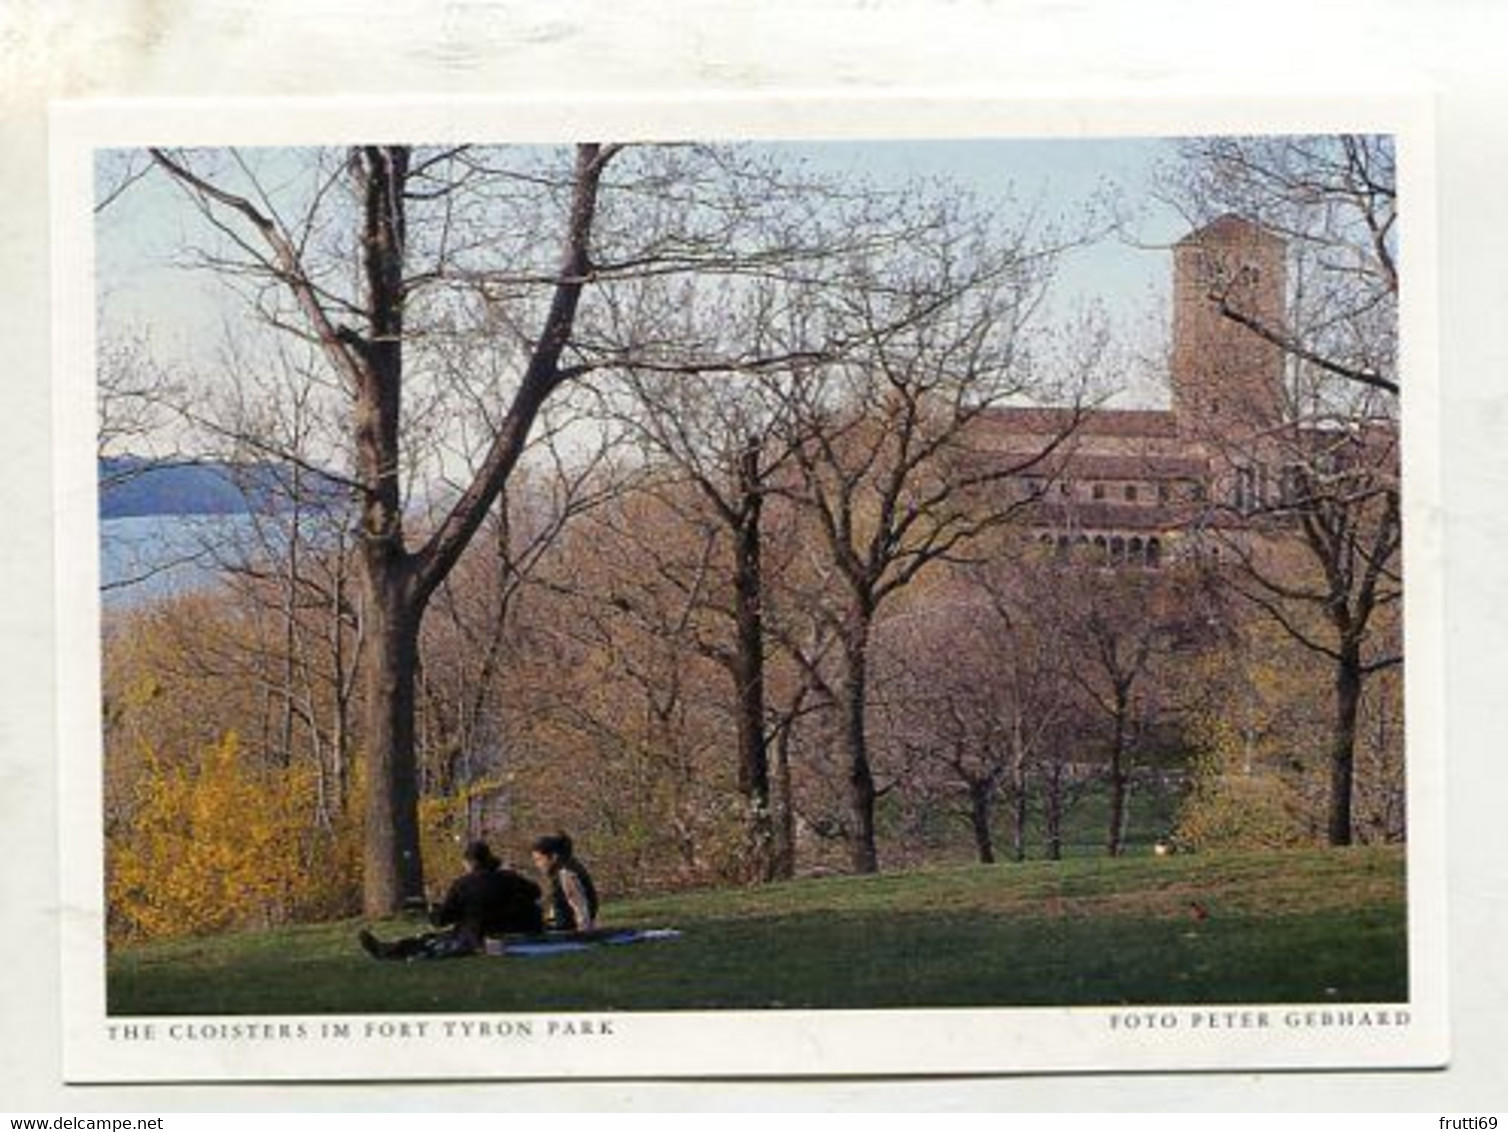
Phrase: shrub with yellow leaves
pixel 218 844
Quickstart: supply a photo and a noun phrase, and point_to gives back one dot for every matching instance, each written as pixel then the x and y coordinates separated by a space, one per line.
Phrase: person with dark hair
pixel 570 895
pixel 487 900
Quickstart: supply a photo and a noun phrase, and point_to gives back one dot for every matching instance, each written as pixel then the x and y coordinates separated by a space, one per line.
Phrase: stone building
pixel 1131 484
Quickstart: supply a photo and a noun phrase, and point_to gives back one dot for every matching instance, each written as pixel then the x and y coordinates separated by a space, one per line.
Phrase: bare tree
pixel 1120 634
pixel 632 590
pixel 1030 671
pixel 1333 199
pixel 943 700
pixel 1325 566
pixel 376 253
pixel 532 306
pixel 719 450
pixel 1316 531
pixel 726 430
pixel 889 455
pixel 471 644
pixel 369 356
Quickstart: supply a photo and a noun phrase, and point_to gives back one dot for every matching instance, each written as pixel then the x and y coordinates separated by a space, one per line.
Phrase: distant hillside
pixel 131 486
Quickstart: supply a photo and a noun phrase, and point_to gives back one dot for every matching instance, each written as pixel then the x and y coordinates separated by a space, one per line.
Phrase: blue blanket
pixel 534 946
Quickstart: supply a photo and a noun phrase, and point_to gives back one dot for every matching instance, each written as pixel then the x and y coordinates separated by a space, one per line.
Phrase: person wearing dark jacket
pixel 487 900
pixel 570 895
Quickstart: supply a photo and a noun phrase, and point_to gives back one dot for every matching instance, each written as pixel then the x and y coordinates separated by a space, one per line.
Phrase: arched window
pixel 1134 550
pixel 1154 552
pixel 1118 549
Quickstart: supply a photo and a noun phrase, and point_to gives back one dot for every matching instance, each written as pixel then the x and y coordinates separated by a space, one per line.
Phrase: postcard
pixel 762 587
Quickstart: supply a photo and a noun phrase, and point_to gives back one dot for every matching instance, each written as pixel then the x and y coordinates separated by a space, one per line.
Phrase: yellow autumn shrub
pixel 1255 782
pixel 1240 809
pixel 218 844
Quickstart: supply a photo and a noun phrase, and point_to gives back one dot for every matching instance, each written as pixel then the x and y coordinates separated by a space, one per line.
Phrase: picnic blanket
pixel 566 943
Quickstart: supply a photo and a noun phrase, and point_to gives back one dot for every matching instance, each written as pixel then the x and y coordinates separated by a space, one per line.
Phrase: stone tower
pixel 1227 379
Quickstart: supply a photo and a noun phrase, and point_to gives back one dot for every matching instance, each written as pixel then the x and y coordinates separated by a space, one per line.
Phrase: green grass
pixel 1322 926
pixel 1152 816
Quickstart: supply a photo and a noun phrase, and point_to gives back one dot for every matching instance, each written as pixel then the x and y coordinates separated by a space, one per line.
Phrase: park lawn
pixel 1295 926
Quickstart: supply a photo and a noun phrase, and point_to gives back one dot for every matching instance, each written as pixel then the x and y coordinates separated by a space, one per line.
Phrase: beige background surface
pixel 1153 49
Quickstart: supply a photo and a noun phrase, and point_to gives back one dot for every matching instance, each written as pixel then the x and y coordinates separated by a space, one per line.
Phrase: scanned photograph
pixel 553 594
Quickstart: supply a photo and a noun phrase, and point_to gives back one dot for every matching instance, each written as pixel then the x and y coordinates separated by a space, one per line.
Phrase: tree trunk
pixel 753 750
pixel 1118 774
pixel 861 788
pixel 393 871
pixel 290 620
pixel 1348 678
pixel 1053 815
pixel 981 808
pixel 343 677
pixel 1019 809
pixel 783 852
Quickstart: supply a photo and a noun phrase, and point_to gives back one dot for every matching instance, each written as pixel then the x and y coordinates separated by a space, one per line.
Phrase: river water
pixel 146 557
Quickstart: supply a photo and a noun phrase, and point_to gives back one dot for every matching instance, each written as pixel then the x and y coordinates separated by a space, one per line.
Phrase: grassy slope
pixel 1282 927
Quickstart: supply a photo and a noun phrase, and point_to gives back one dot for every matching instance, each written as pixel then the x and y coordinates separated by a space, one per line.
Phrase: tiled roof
pixel 1148 423
pixel 1099 466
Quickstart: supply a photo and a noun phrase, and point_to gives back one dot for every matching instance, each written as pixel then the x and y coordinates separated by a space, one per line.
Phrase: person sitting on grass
pixel 487 900
pixel 570 895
